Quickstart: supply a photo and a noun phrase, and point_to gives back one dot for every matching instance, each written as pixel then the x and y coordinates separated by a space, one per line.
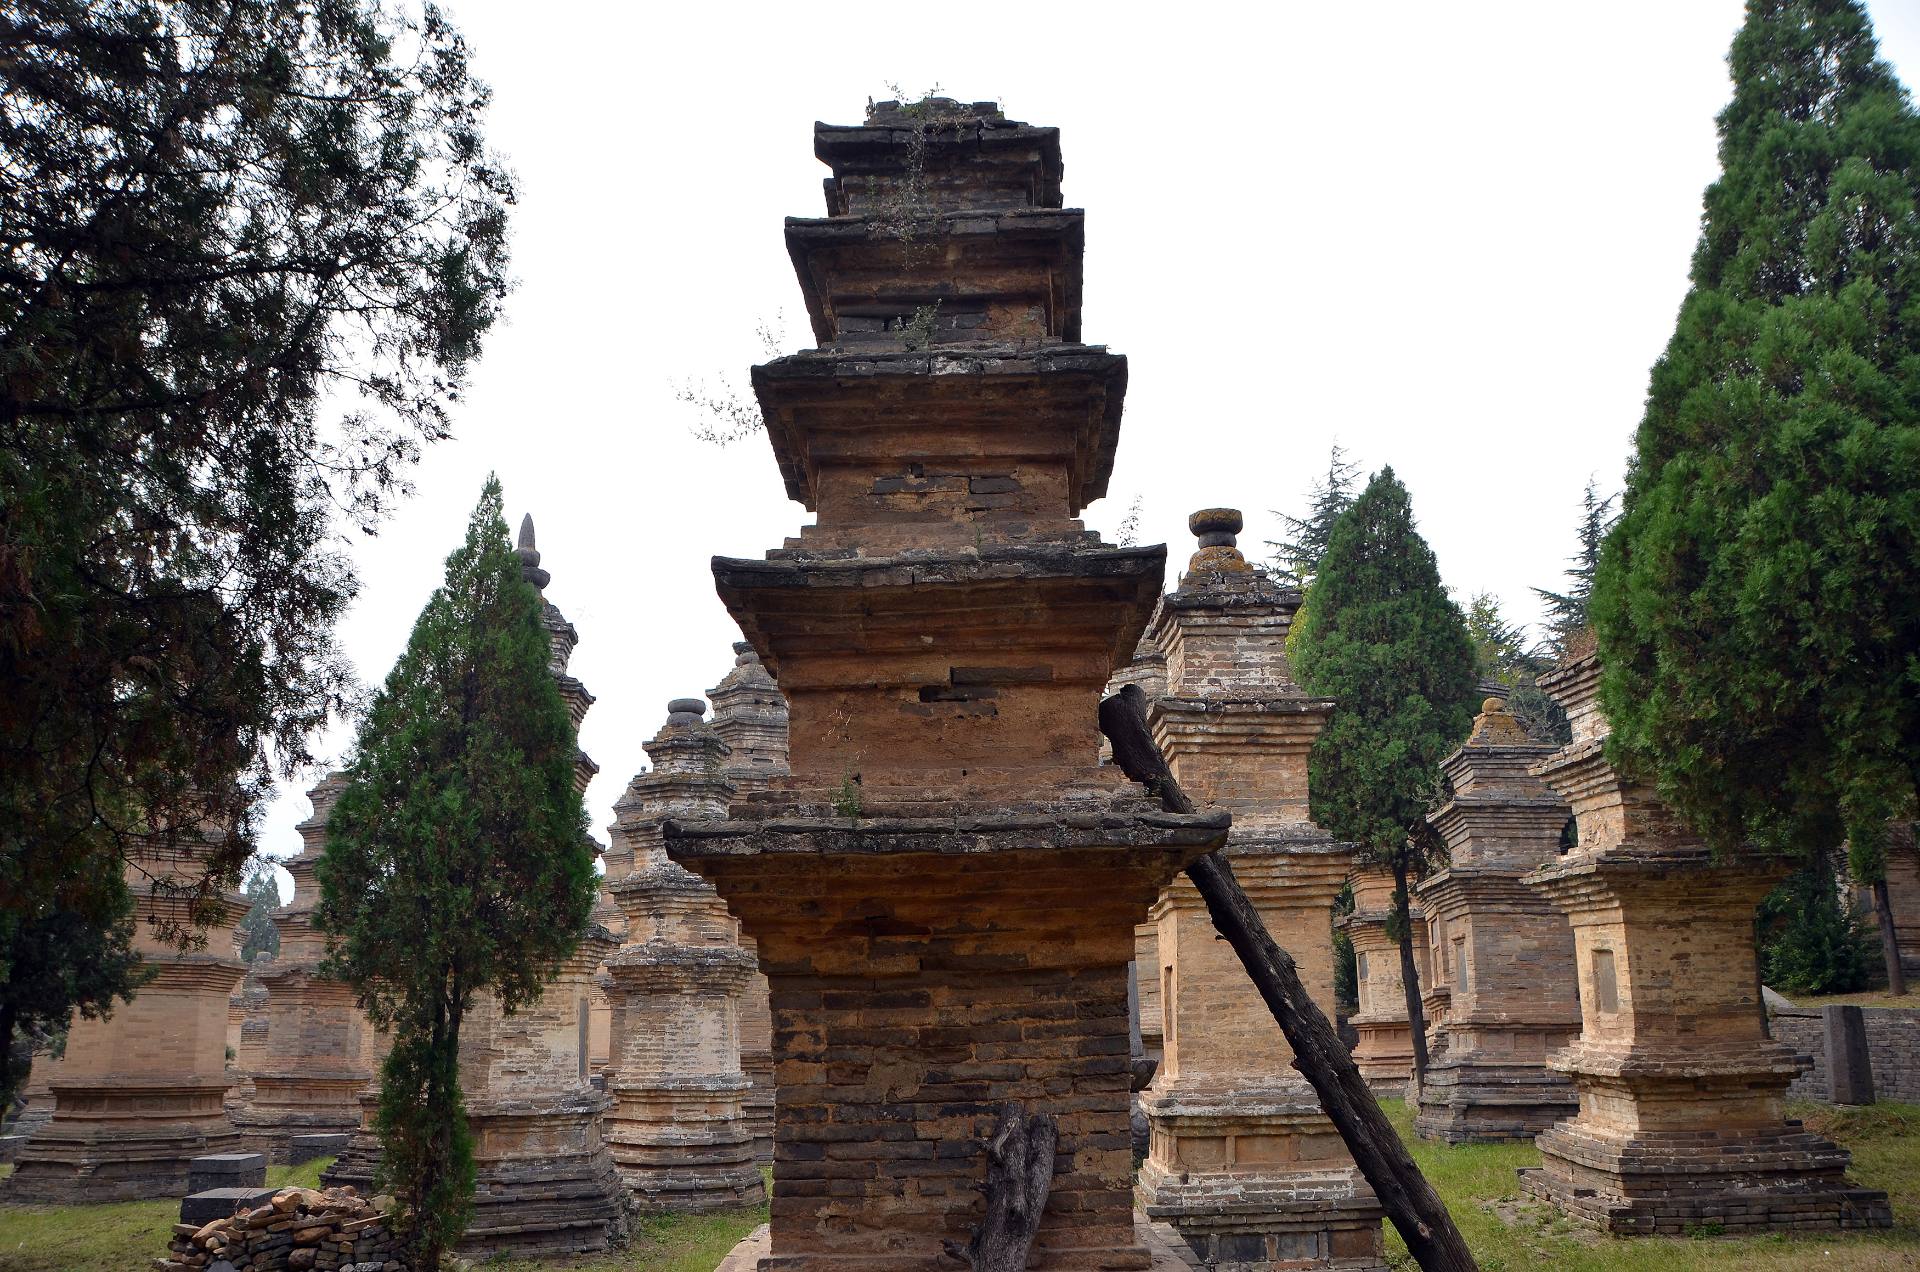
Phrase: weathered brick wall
pixel 1893 1046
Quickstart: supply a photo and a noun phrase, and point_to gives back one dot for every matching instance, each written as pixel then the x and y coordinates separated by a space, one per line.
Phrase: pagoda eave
pixel 1058 403
pixel 858 276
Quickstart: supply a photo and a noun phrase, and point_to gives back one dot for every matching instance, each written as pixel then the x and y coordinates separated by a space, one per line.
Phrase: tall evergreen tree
pixel 217 215
pixel 457 859
pixel 1380 636
pixel 1758 606
pixel 1567 612
pixel 257 933
pixel 1296 558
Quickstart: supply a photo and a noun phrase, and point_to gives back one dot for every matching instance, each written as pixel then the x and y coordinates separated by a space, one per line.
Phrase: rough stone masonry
pixel 944 889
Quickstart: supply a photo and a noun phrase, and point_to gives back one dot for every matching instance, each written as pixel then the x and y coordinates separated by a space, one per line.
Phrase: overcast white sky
pixel 1452 237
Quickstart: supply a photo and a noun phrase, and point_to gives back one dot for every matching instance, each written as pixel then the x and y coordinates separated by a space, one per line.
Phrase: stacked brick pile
pixel 332 1231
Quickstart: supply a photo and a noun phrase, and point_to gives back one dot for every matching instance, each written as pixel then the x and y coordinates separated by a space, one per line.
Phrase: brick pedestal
pixel 1682 1119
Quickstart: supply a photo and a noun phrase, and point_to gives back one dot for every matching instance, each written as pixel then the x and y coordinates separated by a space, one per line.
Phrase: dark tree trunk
pixel 1410 976
pixel 1889 938
pixel 1019 1176
pixel 1410 1202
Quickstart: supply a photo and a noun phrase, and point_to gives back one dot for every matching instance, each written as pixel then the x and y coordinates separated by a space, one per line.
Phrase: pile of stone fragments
pixel 335 1230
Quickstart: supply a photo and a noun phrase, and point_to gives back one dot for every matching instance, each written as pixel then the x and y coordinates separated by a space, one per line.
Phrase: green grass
pixel 1508 1234
pixel 1477 1181
pixel 128 1236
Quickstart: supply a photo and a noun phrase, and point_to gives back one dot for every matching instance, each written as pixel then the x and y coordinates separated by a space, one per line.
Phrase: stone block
pixel 226 1170
pixel 220 1203
pixel 1849 1067
pixel 10 1146
pixel 304 1148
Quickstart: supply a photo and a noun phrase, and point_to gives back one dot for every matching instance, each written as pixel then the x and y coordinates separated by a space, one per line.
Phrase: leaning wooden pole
pixel 1409 1200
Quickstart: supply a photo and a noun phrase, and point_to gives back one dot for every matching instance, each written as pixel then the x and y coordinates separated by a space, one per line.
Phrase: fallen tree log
pixel 1409 1200
pixel 1019 1177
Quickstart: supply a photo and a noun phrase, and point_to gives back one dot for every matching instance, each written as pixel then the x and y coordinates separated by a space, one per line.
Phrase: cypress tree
pixel 1758 605
pixel 1380 636
pixel 457 858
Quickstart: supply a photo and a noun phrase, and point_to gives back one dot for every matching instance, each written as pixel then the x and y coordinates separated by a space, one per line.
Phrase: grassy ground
pixel 1865 998
pixel 1509 1235
pixel 128 1236
pixel 1477 1181
pixel 122 1237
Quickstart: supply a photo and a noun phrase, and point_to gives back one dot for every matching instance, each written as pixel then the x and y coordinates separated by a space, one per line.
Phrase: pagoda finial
pixel 1218 530
pixel 530 556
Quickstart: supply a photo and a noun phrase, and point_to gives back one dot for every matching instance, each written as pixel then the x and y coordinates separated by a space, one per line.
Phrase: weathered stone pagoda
pixel 944 891
pixel 1384 1053
pixel 307 1077
pixel 750 715
pixel 678 1130
pixel 248 1039
pixel 1682 1120
pixel 545 1183
pixel 1243 1163
pixel 1504 953
pixel 141 1093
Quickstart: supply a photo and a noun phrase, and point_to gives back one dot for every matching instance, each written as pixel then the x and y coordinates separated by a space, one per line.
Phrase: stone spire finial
pixel 1496 726
pixel 530 556
pixel 687 711
pixel 1217 529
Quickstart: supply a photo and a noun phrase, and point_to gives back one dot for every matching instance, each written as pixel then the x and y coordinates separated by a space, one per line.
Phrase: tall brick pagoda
pixel 141 1093
pixel 1504 953
pixel 1682 1116
pixel 309 1076
pixel 944 890
pixel 750 716
pixel 678 1130
pixel 1243 1162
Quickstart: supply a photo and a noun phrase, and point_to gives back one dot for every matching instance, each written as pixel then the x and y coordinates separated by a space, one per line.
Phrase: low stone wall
pixel 301 1228
pixel 1893 1046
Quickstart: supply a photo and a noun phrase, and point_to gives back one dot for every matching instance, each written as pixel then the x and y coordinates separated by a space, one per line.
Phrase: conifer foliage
pixel 1296 558
pixel 457 857
pixel 222 220
pixel 1380 636
pixel 1758 606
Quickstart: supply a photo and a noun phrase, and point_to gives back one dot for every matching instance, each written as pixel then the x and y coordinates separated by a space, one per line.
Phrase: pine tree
pixel 457 858
pixel 1380 636
pixel 1758 606
pixel 1296 558
pixel 257 933
pixel 1567 612
pixel 251 248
